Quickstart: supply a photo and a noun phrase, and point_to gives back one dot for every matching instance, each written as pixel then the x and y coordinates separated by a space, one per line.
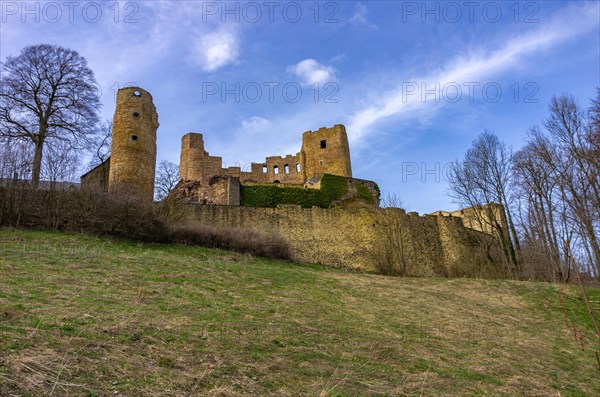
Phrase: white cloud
pixel 473 68
pixel 360 15
pixel 255 123
pixel 217 49
pixel 311 71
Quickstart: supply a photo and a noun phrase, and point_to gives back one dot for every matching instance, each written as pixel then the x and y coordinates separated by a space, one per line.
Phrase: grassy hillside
pixel 86 316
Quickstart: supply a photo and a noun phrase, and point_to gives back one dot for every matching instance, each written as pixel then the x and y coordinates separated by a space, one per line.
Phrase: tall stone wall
pixel 348 237
pixel 484 218
pixel 133 151
pixel 97 178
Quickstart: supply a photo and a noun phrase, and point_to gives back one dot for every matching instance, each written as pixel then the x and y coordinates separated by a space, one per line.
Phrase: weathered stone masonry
pixel 324 151
pixel 344 236
pixel 132 164
pixel 338 236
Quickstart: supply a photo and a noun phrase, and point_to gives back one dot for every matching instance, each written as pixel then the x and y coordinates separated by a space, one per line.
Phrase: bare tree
pixel 571 153
pixel 101 145
pixel 543 217
pixel 47 92
pixel 392 249
pixel 167 177
pixel 485 176
pixel 392 200
pixel 15 159
pixel 61 163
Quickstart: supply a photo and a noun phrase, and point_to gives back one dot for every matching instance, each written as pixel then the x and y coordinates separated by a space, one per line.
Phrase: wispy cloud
pixel 472 68
pixel 311 71
pixel 255 123
pixel 360 16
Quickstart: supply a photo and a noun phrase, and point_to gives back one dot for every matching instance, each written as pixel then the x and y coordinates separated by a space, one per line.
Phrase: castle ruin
pixel 325 151
pixel 342 235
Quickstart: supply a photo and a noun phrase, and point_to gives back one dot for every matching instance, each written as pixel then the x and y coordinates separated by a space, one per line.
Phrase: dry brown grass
pixel 86 316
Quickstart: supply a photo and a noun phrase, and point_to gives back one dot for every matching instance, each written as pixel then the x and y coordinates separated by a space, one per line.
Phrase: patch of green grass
pixel 90 316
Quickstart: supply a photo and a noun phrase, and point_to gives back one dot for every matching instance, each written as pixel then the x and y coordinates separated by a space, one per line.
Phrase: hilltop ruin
pixel 346 228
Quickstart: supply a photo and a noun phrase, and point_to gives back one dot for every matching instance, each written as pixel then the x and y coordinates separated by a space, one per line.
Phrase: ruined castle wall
pixel 347 237
pixel 285 170
pixel 233 191
pixel 195 163
pixel 276 169
pixel 96 179
pixel 326 151
pixel 481 218
pixel 133 151
pixel 354 186
pixel 219 190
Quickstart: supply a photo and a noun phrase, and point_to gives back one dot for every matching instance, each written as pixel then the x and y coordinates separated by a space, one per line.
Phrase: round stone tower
pixel 133 153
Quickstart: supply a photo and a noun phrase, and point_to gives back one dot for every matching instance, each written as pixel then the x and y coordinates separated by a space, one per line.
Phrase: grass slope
pixel 86 316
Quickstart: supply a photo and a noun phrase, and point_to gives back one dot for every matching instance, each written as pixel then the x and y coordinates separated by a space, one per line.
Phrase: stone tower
pixel 195 164
pixel 133 152
pixel 326 151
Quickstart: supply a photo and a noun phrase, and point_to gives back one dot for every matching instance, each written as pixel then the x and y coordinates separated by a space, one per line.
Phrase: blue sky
pixel 414 82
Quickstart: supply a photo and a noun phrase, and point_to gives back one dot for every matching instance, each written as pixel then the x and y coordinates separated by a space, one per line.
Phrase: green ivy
pixel 363 193
pixel 377 190
pixel 332 188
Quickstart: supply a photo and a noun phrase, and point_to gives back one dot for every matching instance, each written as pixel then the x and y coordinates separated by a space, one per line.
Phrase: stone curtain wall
pixel 483 218
pixel 97 178
pixel 346 237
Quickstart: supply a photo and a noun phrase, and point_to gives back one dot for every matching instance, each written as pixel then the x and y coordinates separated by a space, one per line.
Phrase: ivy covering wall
pixel 333 188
